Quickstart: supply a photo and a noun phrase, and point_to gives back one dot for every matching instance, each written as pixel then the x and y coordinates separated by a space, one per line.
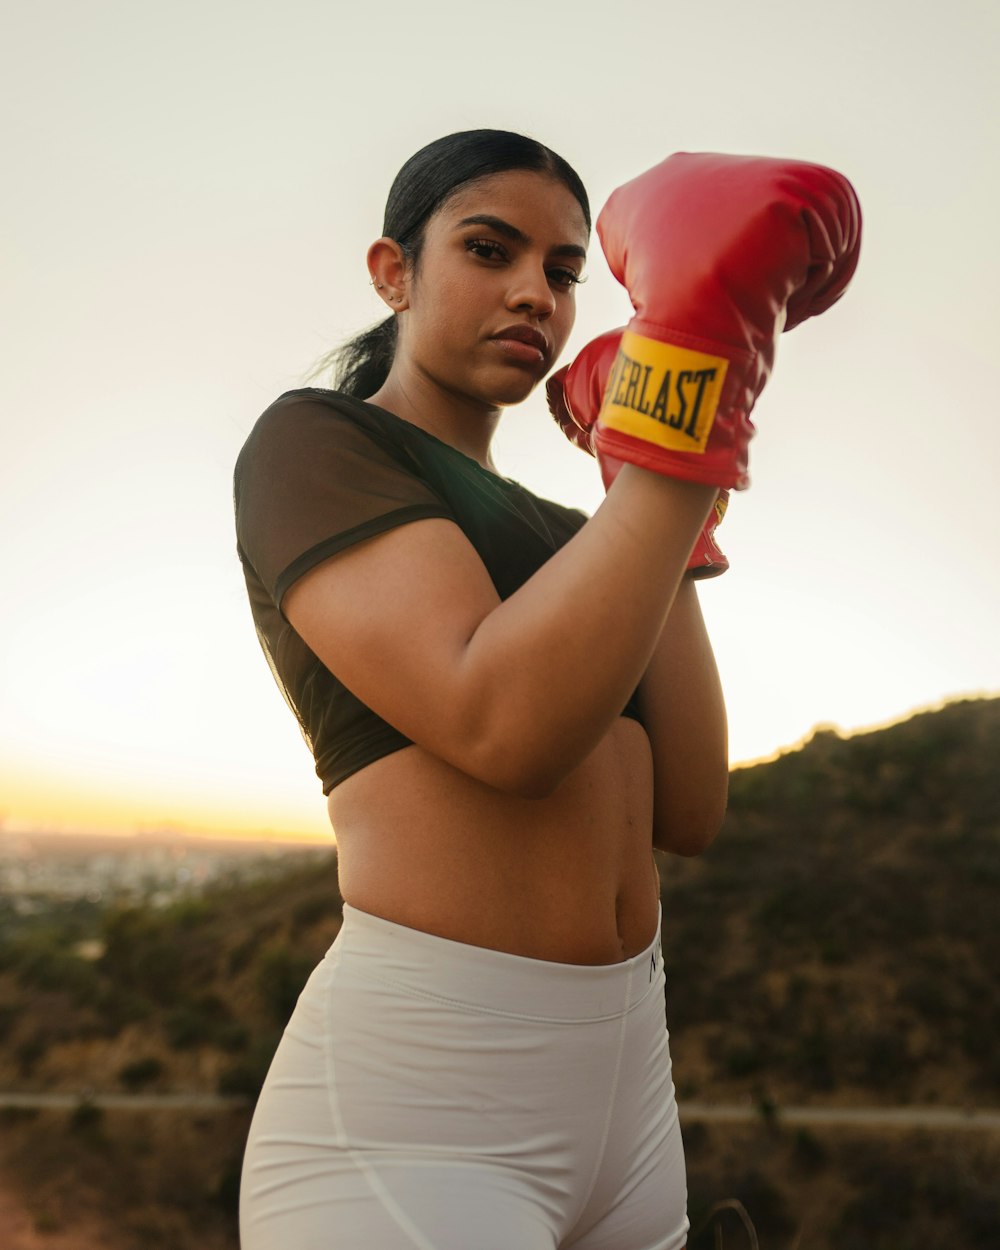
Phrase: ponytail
pixel 360 366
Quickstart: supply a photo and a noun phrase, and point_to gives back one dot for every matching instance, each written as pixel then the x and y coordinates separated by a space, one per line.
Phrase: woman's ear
pixel 389 269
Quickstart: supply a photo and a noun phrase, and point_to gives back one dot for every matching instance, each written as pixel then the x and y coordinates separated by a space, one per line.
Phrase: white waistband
pixel 492 981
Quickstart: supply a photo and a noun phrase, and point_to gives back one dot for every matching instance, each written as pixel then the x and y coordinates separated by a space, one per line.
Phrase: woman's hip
pixel 409 1050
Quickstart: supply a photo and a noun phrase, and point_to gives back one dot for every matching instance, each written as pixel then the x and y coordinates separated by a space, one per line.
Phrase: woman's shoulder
pixel 306 405
pixel 312 421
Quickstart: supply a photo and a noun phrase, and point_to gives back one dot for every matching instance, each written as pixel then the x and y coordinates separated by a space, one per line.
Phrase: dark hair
pixel 421 187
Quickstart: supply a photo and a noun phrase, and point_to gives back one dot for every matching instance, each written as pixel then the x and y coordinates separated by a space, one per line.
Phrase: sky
pixel 189 193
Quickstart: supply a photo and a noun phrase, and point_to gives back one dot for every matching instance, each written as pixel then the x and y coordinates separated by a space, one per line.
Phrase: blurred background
pixel 189 193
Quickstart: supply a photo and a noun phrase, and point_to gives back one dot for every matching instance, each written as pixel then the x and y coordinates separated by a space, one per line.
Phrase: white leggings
pixel 431 1095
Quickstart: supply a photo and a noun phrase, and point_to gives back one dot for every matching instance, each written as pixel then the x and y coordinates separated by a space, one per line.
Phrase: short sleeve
pixel 312 481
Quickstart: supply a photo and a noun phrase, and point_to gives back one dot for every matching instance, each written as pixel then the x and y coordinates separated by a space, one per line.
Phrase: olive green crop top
pixel 321 471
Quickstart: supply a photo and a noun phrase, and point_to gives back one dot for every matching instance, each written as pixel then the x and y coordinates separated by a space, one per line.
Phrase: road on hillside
pixel 123 1102
pixel 736 1113
pixel 855 1117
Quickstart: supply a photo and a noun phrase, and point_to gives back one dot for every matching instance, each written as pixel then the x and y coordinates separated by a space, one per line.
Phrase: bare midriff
pixel 568 878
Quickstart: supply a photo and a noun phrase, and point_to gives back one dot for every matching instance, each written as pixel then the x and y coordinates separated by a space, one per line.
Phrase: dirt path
pixel 18 1232
pixel 735 1113
pixel 122 1102
pixel 849 1117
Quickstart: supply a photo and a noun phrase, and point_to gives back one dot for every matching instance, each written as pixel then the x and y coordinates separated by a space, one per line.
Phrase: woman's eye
pixel 486 249
pixel 564 277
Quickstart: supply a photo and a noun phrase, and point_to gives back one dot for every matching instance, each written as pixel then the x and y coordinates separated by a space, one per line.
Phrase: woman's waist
pixel 547 919
pixel 569 877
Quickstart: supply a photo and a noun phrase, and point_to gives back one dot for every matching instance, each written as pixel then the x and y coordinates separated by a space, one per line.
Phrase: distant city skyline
pixel 39 869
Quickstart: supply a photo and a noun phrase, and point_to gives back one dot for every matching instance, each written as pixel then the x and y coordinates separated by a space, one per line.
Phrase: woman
pixel 510 706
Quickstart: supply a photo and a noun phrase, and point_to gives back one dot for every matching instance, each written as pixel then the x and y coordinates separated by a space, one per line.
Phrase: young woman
pixel 509 705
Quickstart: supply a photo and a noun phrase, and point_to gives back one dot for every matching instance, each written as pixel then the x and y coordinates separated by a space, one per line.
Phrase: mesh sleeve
pixel 309 482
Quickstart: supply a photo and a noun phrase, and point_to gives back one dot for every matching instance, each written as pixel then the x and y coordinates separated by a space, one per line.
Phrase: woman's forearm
pixel 556 662
pixel 682 706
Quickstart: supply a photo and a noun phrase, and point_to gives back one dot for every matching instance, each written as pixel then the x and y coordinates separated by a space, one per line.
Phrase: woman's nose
pixel 530 291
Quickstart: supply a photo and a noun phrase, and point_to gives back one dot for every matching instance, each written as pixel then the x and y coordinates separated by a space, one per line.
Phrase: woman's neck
pixel 457 420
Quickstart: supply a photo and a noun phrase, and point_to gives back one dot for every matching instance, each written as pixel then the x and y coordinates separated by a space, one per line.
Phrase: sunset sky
pixel 189 192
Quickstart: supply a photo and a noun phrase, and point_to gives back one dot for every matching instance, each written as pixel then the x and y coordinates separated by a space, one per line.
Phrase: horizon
pixel 174 831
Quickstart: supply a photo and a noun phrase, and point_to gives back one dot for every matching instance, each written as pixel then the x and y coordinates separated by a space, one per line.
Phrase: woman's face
pixel 492 301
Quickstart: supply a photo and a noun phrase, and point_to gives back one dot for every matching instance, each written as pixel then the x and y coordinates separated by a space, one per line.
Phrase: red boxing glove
pixel 719 254
pixel 575 391
pixel 707 559
pixel 574 395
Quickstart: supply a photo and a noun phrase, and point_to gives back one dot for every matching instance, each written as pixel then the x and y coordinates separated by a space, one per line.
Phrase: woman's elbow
pixel 514 767
pixel 526 776
pixel 690 831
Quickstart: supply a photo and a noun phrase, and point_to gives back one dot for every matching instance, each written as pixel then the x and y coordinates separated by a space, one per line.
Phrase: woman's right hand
pixel 719 254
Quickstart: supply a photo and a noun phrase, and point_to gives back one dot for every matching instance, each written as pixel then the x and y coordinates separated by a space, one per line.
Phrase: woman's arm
pixel 514 693
pixel 680 698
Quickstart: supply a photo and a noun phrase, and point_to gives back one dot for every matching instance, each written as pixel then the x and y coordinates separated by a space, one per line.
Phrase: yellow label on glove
pixel 662 393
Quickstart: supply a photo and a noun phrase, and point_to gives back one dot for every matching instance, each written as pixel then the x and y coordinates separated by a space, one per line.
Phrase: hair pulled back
pixel 425 182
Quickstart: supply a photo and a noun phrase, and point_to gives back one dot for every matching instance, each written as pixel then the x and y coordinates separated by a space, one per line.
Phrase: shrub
pixel 808 1152
pixel 8 1017
pixel 744 1058
pixel 245 1078
pixel 142 954
pixel 310 910
pixel 86 1117
pixel 187 1027
pixel 29 1052
pixel 204 1020
pixel 42 965
pixel 812 1058
pixel 140 1072
pixel 281 974
pixel 227 1192
pixel 118 1007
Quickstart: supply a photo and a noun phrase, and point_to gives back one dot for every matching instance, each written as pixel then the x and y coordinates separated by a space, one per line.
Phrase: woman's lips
pixel 523 353
pixel 523 344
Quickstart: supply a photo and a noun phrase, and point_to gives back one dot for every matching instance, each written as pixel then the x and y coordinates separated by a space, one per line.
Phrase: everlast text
pixel 663 393
pixel 673 399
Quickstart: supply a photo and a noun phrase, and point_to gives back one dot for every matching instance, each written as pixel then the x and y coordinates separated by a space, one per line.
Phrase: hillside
pixel 839 942
pixel 837 945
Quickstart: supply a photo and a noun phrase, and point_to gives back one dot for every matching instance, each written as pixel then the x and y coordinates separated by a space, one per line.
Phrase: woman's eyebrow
pixel 518 236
